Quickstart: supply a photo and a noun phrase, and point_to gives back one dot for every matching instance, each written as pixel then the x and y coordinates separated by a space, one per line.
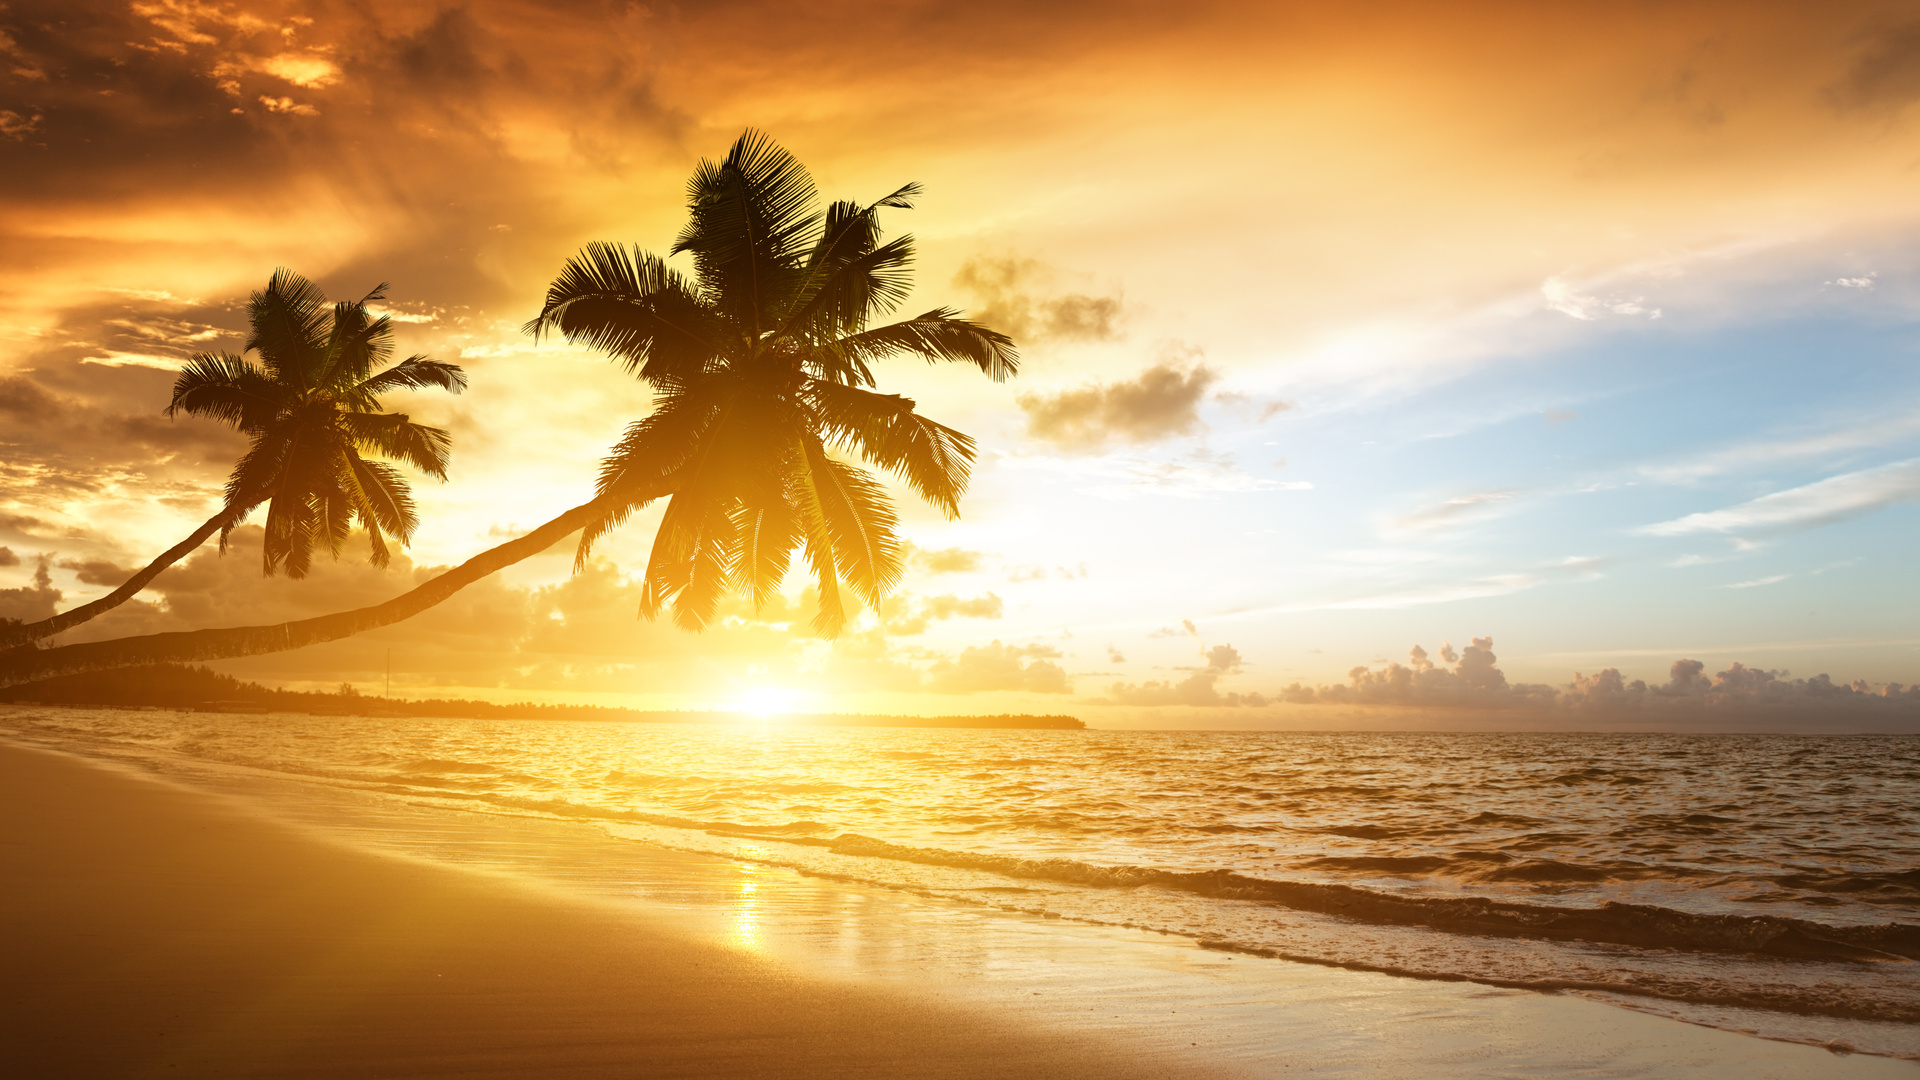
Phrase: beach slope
pixel 152 931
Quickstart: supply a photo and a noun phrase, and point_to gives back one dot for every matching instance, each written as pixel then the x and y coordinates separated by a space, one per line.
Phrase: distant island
pixel 180 686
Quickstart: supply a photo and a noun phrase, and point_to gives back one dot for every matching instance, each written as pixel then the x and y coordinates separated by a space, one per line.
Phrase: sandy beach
pixel 153 933
pixel 157 930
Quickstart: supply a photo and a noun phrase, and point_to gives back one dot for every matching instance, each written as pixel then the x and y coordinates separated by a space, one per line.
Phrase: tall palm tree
pixel 762 363
pixel 309 408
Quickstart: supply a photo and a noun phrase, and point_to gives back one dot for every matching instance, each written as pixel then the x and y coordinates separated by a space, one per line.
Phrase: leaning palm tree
pixel 762 367
pixel 762 363
pixel 310 407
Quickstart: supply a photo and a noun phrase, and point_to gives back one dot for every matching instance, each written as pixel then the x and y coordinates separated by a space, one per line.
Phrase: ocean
pixel 1766 883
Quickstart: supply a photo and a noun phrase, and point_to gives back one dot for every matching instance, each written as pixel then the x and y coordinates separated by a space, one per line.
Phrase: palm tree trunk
pixel 67 620
pixel 27 664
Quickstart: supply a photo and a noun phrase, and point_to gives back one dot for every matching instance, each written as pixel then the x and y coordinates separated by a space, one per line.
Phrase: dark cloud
pixel 1162 402
pixel 34 602
pixel 97 572
pixel 8 558
pixel 1014 298
pixel 1027 668
pixel 1887 71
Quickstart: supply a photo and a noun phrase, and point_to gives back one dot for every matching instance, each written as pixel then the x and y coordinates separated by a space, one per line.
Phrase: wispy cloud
pixel 1455 511
pixel 1856 436
pixel 1774 579
pixel 1828 501
pixel 1196 475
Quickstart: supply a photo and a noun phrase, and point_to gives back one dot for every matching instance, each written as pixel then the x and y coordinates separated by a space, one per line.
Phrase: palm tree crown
pixel 761 363
pixel 310 408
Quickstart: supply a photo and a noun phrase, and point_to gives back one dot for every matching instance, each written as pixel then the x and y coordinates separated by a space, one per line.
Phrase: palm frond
pixel 817 540
pixel 226 388
pixel 903 198
pixel 358 342
pixel 935 460
pixel 254 479
pixel 394 435
pixel 289 331
pixel 939 334
pixel 768 535
pixel 750 221
pixel 383 502
pixel 414 373
pixel 844 295
pixel 861 521
pixel 645 464
pixel 633 307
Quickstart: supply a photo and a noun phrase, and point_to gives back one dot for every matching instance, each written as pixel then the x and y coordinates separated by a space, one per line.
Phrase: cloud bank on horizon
pixel 1592 328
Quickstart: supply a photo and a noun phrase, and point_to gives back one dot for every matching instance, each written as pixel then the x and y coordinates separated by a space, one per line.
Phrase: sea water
pixel 1769 883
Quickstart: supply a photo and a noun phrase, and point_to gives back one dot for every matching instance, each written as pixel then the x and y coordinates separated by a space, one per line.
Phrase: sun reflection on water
pixel 745 930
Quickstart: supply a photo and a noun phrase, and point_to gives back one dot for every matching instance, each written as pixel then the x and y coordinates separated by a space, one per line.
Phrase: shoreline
pixel 152 931
pixel 1116 1003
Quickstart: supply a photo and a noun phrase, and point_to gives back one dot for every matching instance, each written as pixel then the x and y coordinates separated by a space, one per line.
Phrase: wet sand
pixel 151 929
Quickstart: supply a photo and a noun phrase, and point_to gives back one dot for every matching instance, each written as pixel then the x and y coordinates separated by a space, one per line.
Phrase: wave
pixel 1645 926
pixel 1639 925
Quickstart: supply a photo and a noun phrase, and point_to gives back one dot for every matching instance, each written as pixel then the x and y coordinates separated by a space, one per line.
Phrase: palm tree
pixel 762 364
pixel 309 407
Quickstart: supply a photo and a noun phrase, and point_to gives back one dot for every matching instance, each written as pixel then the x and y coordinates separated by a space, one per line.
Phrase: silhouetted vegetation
pixel 310 408
pixel 762 367
pixel 180 686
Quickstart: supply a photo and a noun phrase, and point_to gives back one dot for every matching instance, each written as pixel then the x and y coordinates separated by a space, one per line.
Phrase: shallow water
pixel 1768 877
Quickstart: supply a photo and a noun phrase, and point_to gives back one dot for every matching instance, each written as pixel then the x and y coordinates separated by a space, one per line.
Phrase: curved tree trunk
pixel 67 620
pixel 28 664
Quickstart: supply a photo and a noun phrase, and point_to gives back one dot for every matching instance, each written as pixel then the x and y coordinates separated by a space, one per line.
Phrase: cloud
pixel 1737 693
pixel 1854 436
pixel 1773 579
pixel 1162 402
pixel 1824 502
pixel 8 558
pixel 1012 300
pixel 1196 473
pixel 1197 689
pixel 97 572
pixel 1027 668
pixel 1471 678
pixel 1887 71
pixel 1475 679
pixel 34 602
pixel 905 614
pixel 1455 511
pixel 951 560
pixel 1562 297
pixel 17 127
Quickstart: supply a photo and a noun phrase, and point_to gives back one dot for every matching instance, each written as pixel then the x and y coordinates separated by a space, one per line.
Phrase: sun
pixel 764 701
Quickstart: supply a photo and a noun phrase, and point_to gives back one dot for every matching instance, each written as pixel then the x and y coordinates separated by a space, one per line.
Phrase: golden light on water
pixel 744 932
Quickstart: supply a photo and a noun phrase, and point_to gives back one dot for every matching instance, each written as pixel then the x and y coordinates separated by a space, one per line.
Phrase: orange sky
pixel 1314 205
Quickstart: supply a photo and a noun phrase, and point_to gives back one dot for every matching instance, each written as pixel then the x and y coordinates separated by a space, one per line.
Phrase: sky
pixel 1547 341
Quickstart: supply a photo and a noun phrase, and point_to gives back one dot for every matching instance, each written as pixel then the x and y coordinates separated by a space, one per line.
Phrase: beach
pixel 151 932
pixel 158 929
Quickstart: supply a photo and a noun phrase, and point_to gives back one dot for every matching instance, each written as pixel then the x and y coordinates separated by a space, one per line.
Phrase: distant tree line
pixel 180 686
